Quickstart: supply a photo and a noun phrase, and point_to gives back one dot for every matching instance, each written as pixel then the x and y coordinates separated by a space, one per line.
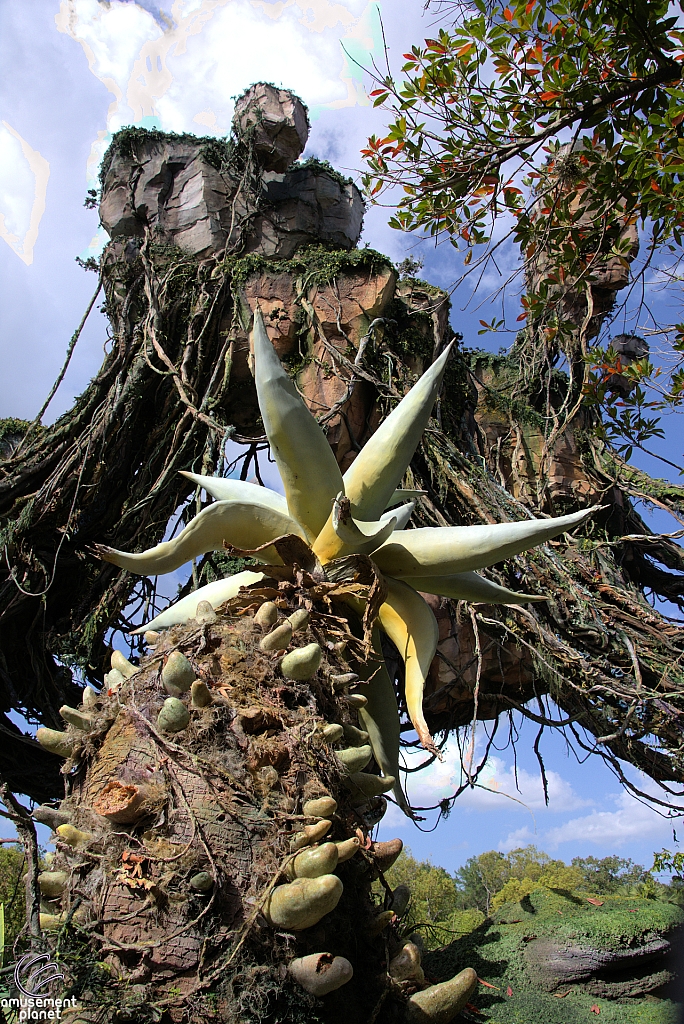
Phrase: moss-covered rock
pixel 553 956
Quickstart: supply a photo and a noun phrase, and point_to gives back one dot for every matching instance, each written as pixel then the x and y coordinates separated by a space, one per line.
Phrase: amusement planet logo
pixel 33 975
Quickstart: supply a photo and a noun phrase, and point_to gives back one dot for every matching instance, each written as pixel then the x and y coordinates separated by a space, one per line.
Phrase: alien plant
pixel 332 524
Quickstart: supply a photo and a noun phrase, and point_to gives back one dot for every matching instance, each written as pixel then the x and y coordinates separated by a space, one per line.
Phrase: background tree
pixel 176 384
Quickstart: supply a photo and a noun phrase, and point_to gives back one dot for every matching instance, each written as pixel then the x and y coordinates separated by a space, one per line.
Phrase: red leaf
pixel 595 1009
pixel 377 92
pixel 486 983
pixel 509 990
pixel 468 46
pixel 550 95
pixel 508 14
pixel 523 316
pixel 594 902
pixel 528 9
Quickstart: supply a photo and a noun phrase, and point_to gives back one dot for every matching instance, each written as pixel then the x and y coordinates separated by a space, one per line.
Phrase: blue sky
pixel 77 70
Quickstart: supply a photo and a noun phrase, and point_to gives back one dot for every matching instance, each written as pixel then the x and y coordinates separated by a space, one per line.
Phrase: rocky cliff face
pixel 246 195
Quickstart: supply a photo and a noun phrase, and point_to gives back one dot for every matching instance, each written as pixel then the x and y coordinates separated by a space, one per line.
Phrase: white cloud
pixel 630 821
pixel 498 787
pixel 187 72
pixel 24 175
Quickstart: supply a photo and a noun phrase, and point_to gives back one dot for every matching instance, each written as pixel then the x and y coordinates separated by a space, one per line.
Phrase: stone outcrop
pixel 279 122
pixel 172 186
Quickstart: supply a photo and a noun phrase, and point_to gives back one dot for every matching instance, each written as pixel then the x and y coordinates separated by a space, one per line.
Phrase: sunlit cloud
pixel 24 175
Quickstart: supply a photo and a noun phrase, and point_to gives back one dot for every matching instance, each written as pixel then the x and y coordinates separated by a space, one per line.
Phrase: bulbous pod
pixel 439 1004
pixel 51 922
pixel 200 695
pixel 299 619
pixel 386 853
pixel 50 816
pixel 401 897
pixel 380 922
pixel 331 733
pixel 202 881
pixel 178 675
pixel 344 680
pixel 76 718
pixel 321 807
pixel 355 737
pixel 266 615
pixel 320 973
pixel 150 636
pixel 73 836
pixel 204 613
pixel 89 698
pixel 301 904
pixel 356 700
pixel 310 834
pixel 405 966
pixel 174 716
pixel 56 742
pixel 123 665
pixel 314 862
pixel 355 759
pixel 303 663
pixel 114 679
pixel 52 883
pixel 364 785
pixel 346 848
pixel 278 638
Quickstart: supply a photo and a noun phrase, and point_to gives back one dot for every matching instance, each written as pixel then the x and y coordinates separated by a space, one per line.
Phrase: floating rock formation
pixel 193 197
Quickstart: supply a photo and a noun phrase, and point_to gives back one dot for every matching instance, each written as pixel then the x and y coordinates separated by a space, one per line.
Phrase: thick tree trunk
pixel 174 863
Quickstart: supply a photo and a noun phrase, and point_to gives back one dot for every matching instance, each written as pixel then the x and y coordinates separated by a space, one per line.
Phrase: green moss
pixel 315 264
pixel 496 950
pixel 215 151
pixel 322 167
pixel 11 432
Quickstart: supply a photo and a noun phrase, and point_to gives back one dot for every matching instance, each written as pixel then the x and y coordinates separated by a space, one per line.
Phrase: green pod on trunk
pixel 380 922
pixel 346 848
pixel 320 973
pixel 301 904
pixel 314 862
pixel 76 718
pixel 114 679
pixel 405 966
pixel 266 615
pixel 200 694
pixel 354 759
pixel 303 663
pixel 439 1004
pixel 310 834
pixel 178 675
pixel 201 882
pixel 52 883
pixel 174 716
pixel 363 785
pixel 299 619
pixel 355 737
pixel 56 742
pixel 321 807
pixel 278 638
pixel 205 614
pixel 331 733
pixel 123 665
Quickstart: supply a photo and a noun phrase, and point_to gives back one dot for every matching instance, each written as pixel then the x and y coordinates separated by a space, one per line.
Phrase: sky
pixel 74 72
